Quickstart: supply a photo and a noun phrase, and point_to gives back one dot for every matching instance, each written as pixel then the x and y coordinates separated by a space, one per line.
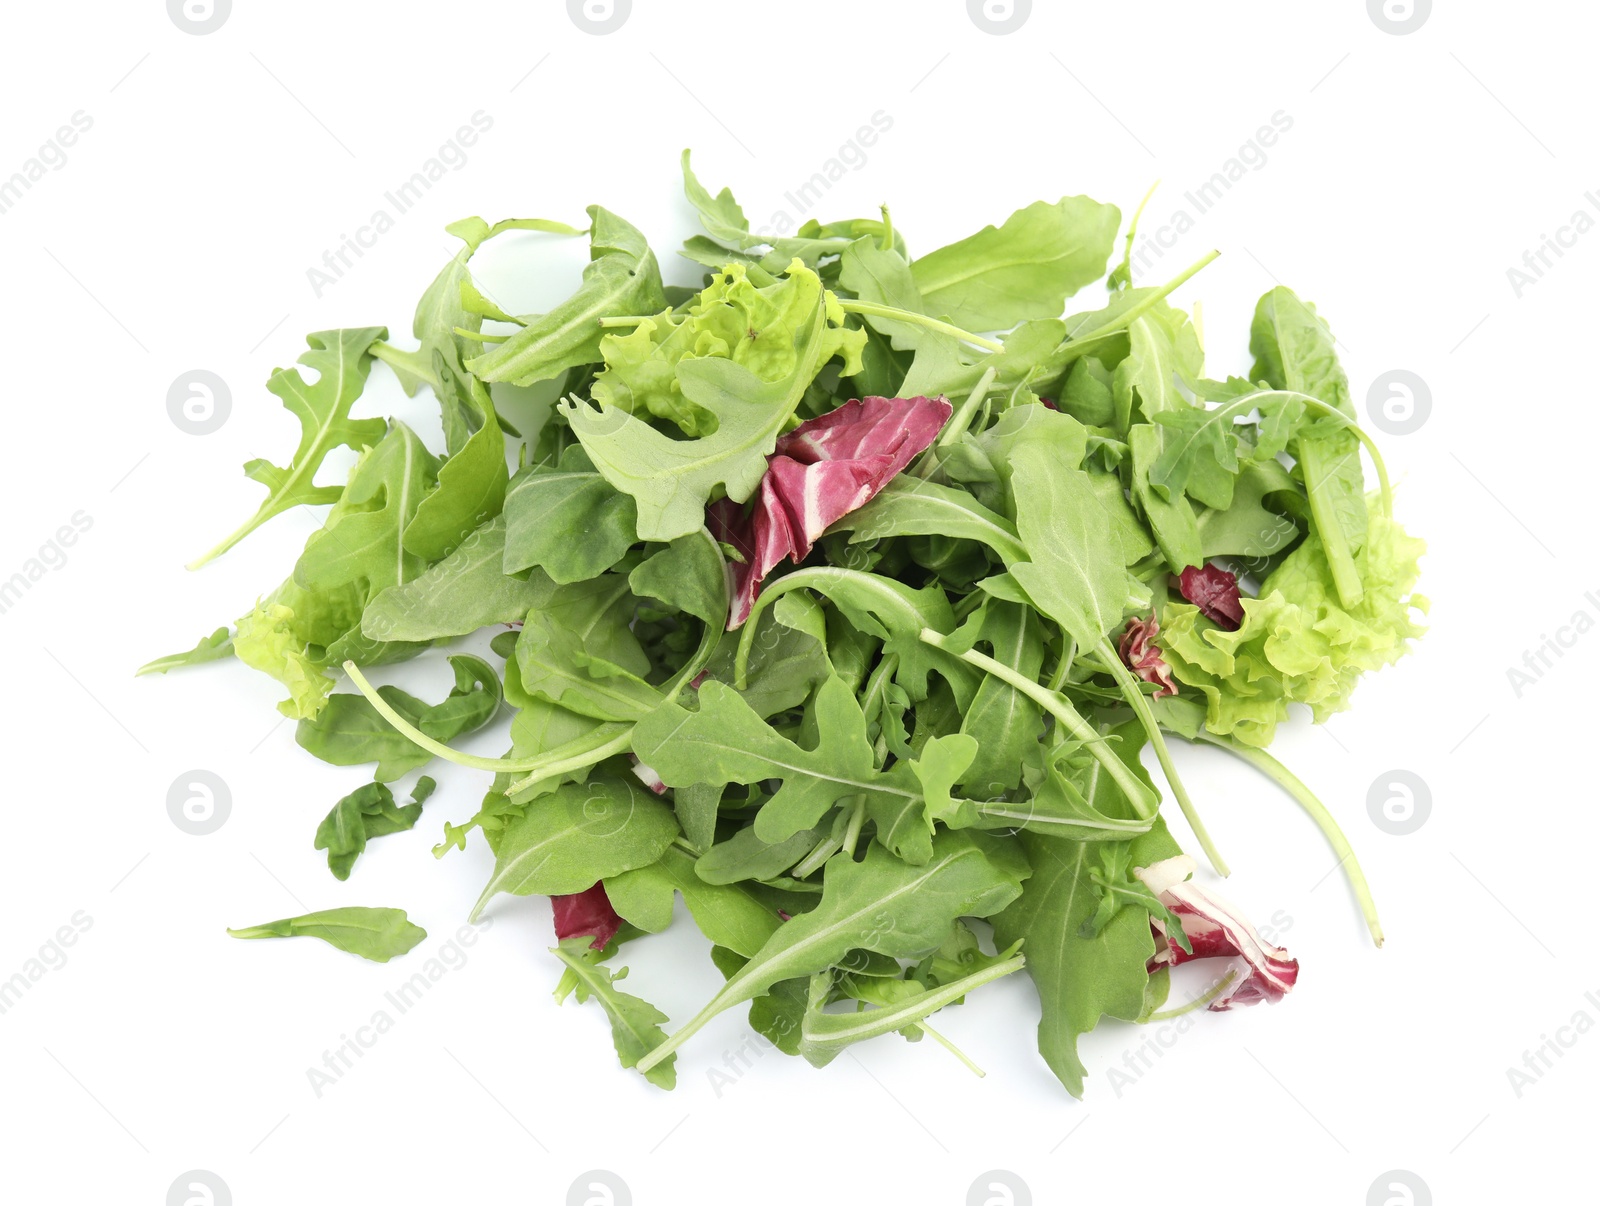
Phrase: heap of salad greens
pixel 840 596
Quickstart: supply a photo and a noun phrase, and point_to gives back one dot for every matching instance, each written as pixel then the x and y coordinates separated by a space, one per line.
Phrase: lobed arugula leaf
pixel 342 359
pixel 635 1023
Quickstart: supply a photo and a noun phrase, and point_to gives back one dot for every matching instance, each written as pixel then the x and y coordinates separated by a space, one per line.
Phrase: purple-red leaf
pixel 817 474
pixel 1215 592
pixel 587 912
pixel 1216 930
pixel 1140 654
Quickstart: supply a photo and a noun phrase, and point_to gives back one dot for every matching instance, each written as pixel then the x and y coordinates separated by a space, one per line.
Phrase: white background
pixel 178 235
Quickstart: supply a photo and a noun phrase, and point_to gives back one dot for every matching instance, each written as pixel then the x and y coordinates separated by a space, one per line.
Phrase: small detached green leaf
pixel 375 934
pixel 211 648
pixel 366 813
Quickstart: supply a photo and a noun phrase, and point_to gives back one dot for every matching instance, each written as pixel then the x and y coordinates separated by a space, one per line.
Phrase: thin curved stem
pixel 1205 998
pixel 1307 799
pixel 1244 405
pixel 606 740
pixel 1147 720
pixel 1123 321
pixel 874 310
pixel 962 419
pixel 1138 794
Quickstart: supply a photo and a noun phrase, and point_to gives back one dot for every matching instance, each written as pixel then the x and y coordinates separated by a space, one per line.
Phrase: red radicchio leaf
pixel 1215 592
pixel 1140 654
pixel 1216 930
pixel 817 474
pixel 588 912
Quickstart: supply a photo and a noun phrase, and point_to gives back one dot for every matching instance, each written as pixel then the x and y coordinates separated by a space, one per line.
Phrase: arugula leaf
pixel 727 914
pixel 880 276
pixel 567 520
pixel 721 215
pixel 726 742
pixel 466 591
pixel 909 506
pixel 342 360
pixel 209 649
pixel 1294 350
pixel 472 481
pixel 746 855
pixel 902 1005
pixel 578 834
pixel 1005 723
pixel 350 731
pixel 442 314
pixel 878 904
pixel 622 278
pixel 1172 520
pixel 689 574
pixel 375 934
pixel 578 651
pixel 635 1023
pixel 1080 979
pixel 1066 532
pixel 366 813
pixel 1026 268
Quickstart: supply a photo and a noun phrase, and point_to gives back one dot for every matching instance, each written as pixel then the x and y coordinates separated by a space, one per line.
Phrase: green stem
pixel 839 1030
pixel 413 362
pixel 604 741
pixel 1125 320
pixel 875 310
pixel 962 419
pixel 951 1048
pixel 820 853
pixel 852 832
pixel 1138 794
pixel 1307 799
pixel 1147 720
pixel 887 242
pixel 1205 998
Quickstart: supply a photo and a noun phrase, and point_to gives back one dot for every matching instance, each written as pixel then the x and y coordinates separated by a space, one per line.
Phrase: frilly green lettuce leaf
pixel 735 318
pixel 1298 644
